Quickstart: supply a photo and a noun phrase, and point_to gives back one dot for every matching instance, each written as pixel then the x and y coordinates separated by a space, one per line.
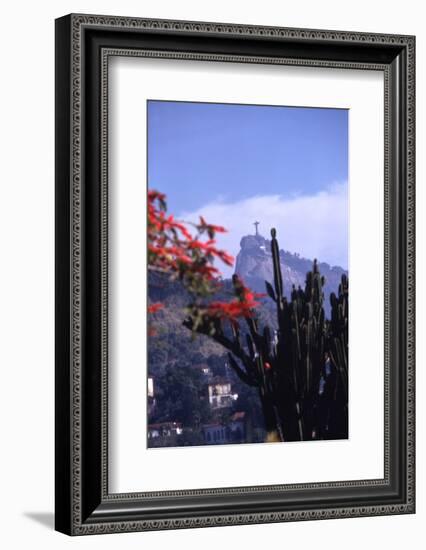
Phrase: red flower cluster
pixel 153 308
pixel 172 247
pixel 175 251
pixel 242 306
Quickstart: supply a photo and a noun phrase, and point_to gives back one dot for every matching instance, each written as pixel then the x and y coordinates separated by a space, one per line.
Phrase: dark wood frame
pixel 83 45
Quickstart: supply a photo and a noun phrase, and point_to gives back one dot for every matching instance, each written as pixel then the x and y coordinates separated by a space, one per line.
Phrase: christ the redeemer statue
pixel 256 224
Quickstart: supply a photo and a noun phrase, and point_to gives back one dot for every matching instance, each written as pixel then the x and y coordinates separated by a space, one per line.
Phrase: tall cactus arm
pixel 278 280
pixel 243 376
pixel 219 336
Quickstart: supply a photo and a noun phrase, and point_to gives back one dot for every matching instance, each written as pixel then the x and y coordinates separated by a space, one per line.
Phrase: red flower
pixel 210 227
pixel 153 308
pixel 173 249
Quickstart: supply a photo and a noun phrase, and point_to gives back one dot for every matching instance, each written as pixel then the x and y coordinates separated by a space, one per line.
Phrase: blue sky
pixel 285 166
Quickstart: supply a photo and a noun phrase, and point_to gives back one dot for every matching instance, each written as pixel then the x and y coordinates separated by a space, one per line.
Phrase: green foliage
pixel 180 397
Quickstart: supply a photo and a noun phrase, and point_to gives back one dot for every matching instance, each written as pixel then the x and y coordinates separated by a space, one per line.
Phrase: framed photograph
pixel 234 274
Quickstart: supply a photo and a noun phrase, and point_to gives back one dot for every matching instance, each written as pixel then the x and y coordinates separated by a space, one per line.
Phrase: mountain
pixel 254 265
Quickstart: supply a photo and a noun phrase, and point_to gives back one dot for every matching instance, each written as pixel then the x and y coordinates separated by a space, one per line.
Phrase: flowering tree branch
pixel 187 252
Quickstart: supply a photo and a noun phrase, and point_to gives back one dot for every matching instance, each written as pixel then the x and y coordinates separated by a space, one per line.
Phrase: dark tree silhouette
pixel 301 369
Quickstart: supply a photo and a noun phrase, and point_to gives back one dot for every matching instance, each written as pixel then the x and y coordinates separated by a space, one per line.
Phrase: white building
pixel 220 393
pixel 164 429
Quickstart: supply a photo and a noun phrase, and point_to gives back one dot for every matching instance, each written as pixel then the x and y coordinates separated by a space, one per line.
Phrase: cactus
pixel 302 375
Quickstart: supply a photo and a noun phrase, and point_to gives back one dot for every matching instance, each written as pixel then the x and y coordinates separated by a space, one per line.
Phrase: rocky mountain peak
pixel 254 243
pixel 254 265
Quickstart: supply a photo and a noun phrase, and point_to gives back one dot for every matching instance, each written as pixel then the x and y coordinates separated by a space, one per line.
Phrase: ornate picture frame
pixel 84 45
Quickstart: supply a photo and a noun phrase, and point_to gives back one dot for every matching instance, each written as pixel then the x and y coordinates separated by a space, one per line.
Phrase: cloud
pixel 315 226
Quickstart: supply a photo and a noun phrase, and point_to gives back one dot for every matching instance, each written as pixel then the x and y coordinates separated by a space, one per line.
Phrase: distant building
pixel 150 386
pixel 239 427
pixel 205 370
pixel 236 431
pixel 151 401
pixel 220 394
pixel 164 430
pixel 215 434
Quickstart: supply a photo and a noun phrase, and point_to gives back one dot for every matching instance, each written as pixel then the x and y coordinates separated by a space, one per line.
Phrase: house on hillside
pixel 236 431
pixel 164 430
pixel 205 370
pixel 151 401
pixel 220 393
